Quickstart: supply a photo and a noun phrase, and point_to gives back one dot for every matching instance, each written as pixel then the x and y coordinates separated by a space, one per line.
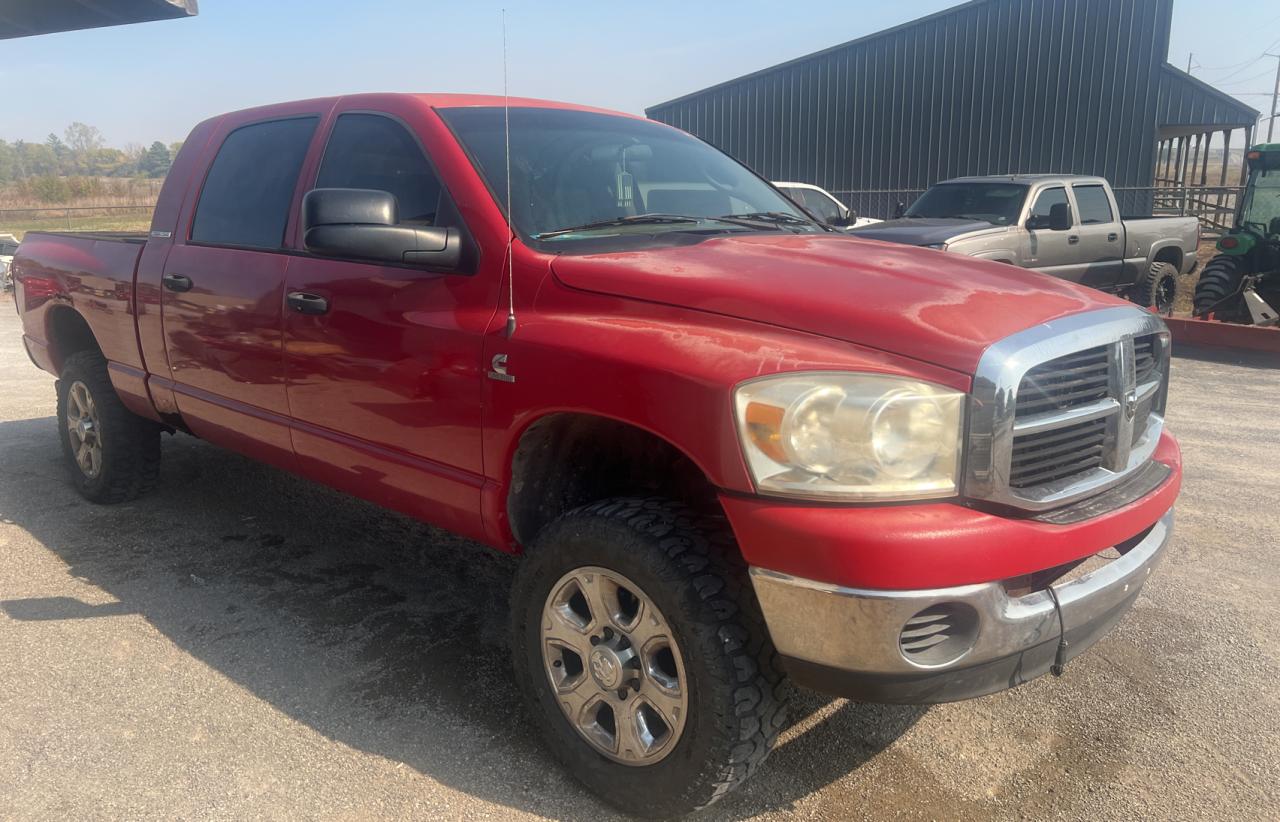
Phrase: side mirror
pixel 363 223
pixel 1060 217
pixel 899 211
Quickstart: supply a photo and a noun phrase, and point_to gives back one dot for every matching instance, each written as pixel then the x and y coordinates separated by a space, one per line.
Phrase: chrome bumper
pixel 850 641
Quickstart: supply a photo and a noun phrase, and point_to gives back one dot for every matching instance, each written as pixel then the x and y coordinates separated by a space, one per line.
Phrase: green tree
pixel 8 163
pixel 63 163
pixel 83 144
pixel 155 161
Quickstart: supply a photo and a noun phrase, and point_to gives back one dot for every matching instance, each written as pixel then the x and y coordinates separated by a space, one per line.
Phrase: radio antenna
pixel 506 129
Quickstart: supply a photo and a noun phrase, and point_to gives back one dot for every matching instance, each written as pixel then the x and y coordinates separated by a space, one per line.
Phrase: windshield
pixel 996 203
pixel 1263 203
pixel 579 174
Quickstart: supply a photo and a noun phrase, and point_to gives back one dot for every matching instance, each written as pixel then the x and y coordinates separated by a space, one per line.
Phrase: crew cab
pixel 1065 225
pixel 730 444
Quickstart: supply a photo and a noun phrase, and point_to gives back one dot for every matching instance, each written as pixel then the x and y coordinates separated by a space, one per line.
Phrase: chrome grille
pixel 1067 409
pixel 1065 382
pixel 1057 453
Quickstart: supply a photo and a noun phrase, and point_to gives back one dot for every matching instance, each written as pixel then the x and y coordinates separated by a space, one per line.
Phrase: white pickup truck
pixel 1065 225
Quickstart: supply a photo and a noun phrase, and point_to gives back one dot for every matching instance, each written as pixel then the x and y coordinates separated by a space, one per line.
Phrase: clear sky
pixel 155 80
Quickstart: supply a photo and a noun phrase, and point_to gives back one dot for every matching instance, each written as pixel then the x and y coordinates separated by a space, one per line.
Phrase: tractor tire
pixel 1157 290
pixel 1219 281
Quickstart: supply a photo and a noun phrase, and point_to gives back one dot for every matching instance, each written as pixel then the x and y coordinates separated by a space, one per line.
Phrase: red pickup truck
pixel 731 444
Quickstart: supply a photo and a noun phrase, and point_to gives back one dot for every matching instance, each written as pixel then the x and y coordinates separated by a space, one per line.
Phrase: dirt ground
pixel 245 644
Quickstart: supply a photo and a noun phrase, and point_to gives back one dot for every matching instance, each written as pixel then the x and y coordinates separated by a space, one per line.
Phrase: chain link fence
pixel 18 221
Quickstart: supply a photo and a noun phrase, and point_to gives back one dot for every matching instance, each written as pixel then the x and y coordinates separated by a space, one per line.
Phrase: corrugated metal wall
pixel 990 87
pixel 1186 101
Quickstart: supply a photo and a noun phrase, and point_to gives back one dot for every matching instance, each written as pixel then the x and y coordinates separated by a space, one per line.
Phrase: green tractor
pixel 1242 283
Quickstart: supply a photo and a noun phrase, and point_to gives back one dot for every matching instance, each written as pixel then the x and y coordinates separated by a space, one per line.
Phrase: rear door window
pixel 1094 205
pixel 246 195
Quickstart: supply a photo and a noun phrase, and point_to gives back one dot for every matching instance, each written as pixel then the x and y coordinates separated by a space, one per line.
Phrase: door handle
pixel 304 303
pixel 177 282
pixel 1073 239
pixel 1111 238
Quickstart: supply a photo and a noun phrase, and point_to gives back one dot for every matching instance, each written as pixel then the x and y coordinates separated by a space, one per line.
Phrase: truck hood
pixel 920 230
pixel 941 308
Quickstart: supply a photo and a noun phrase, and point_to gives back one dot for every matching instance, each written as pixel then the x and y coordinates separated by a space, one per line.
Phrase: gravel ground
pixel 243 643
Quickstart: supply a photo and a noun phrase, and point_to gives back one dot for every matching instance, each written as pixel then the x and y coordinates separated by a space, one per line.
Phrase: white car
pixel 8 247
pixel 822 204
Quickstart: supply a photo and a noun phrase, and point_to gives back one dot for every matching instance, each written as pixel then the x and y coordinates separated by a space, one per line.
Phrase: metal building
pixel 987 87
pixel 23 18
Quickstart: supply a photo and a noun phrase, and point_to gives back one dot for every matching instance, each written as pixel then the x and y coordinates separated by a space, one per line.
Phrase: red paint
pixel 1224 335
pixel 935 545
pixel 386 395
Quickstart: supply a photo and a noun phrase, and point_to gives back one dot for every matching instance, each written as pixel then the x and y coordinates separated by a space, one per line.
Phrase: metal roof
pixel 985 87
pixel 23 18
pixel 1186 101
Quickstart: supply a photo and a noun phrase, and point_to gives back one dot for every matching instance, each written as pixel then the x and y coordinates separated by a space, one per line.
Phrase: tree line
pixel 81 151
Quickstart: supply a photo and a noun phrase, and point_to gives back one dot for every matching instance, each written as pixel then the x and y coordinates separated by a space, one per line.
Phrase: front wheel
pixel 643 655
pixel 1218 290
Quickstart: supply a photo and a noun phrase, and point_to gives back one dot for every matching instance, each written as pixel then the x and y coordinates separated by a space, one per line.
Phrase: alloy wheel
pixel 614 666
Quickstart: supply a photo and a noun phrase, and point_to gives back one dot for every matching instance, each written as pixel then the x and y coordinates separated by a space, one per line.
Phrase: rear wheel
pixel 1158 288
pixel 1219 287
pixel 643 655
pixel 113 454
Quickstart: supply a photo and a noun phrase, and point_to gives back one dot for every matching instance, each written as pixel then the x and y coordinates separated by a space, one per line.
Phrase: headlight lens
pixel 851 436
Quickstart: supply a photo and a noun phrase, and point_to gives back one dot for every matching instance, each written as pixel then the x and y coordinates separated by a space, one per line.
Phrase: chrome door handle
pixel 1073 239
pixel 1111 238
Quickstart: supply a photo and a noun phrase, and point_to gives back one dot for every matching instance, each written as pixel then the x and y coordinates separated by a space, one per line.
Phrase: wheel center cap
pixel 606 668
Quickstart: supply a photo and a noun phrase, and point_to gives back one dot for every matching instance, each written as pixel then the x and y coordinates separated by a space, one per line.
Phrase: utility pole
pixel 1189 56
pixel 1275 96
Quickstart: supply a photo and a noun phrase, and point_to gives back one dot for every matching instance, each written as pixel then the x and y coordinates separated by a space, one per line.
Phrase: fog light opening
pixel 939 635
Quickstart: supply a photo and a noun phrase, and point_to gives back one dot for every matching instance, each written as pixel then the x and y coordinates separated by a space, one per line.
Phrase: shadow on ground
pixel 379 632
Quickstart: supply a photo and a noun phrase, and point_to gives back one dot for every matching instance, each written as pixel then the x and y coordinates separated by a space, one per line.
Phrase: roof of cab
pixel 372 99
pixel 1027 179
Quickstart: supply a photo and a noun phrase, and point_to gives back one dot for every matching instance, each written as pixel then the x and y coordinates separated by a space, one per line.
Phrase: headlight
pixel 850 436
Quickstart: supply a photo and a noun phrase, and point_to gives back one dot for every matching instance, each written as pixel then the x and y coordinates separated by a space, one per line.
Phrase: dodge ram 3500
pixel 730 444
pixel 1065 225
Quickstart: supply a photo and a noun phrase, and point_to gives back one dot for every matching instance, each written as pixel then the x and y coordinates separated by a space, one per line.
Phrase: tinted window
pixel 1093 203
pixel 371 151
pixel 246 197
pixel 1046 200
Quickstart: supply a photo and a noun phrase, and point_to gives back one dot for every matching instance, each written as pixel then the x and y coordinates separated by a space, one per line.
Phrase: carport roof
pixel 22 18
pixel 1189 106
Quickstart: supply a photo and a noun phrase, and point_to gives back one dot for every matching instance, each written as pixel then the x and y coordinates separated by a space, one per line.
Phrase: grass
pixel 131 220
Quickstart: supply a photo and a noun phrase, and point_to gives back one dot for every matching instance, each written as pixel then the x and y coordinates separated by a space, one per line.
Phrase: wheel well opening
pixel 68 334
pixel 565 461
pixel 1170 255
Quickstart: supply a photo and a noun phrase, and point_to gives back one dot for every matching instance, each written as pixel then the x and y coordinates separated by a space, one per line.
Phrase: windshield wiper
pixel 774 217
pixel 634 219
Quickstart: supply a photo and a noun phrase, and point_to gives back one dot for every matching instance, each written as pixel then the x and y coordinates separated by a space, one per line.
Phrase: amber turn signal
pixel 764 425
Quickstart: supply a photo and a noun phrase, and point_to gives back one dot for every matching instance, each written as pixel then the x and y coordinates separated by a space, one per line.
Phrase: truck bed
pixel 139 237
pixel 92 272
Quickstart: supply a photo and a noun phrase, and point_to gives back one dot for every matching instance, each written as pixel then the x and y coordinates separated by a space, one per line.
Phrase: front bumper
pixel 849 641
